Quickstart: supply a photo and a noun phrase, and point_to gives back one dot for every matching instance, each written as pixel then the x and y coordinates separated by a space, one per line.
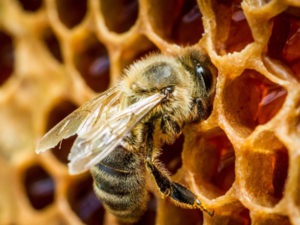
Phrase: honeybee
pixel 120 132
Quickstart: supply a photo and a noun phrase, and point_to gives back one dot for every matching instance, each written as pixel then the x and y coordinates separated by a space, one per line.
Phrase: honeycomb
pixel 243 162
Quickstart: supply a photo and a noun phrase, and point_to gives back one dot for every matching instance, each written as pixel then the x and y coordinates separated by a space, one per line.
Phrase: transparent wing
pixel 79 121
pixel 106 135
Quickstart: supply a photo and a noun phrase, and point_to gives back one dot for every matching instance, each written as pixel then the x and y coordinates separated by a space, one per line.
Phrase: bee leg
pixel 167 125
pixel 175 191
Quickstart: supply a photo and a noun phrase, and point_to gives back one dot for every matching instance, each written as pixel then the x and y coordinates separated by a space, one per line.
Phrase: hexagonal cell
pixel 279 35
pixel 84 202
pixel 149 216
pixel 212 159
pixel 142 50
pixel 188 27
pixel 285 40
pixel 294 186
pixel 266 219
pixel 231 215
pixel 39 186
pixel 52 44
pixel 224 172
pixel 263 171
pixel 290 52
pixel 171 155
pixel 6 57
pixel 62 150
pixel 177 21
pixel 93 63
pixel 168 213
pixel 31 5
pixel 71 14
pixel 233 31
pixel 119 15
pixel 250 100
pixel 58 113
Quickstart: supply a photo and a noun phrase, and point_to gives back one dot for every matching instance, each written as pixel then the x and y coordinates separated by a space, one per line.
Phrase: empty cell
pixel 62 150
pixel 31 5
pixel 145 48
pixel 52 44
pixel 168 213
pixel 213 162
pixel 264 172
pixel 58 113
pixel 71 13
pixel 39 186
pixel 7 57
pixel 84 202
pixel 267 219
pixel 251 99
pixel 231 216
pixel 188 28
pixel 224 174
pixel 171 155
pixel 233 30
pixel 149 216
pixel 119 15
pixel 163 16
pixel 93 63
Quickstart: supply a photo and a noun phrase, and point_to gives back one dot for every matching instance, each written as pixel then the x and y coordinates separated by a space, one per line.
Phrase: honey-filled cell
pixel 284 43
pixel 187 28
pixel 176 21
pixel 251 100
pixel 233 31
pixel 266 219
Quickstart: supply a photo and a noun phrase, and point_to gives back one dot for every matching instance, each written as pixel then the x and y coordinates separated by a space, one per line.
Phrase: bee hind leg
pixel 175 191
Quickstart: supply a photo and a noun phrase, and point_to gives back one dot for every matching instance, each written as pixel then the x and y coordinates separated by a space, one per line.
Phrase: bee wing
pixel 105 136
pixel 79 121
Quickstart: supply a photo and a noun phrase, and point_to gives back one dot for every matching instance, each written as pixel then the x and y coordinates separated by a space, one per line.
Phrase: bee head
pixel 203 75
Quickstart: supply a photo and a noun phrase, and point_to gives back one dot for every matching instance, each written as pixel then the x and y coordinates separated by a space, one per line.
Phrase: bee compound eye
pixel 204 73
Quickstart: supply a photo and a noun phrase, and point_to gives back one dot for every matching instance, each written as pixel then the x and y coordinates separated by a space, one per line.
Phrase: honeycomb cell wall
pixel 243 161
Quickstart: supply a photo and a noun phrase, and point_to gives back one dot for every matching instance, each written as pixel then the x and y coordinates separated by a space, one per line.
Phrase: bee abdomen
pixel 119 182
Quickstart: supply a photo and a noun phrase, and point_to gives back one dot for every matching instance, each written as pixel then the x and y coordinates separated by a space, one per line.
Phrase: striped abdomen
pixel 119 181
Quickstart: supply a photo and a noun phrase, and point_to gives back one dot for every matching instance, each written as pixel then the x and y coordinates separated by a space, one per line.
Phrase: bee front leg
pixel 175 191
